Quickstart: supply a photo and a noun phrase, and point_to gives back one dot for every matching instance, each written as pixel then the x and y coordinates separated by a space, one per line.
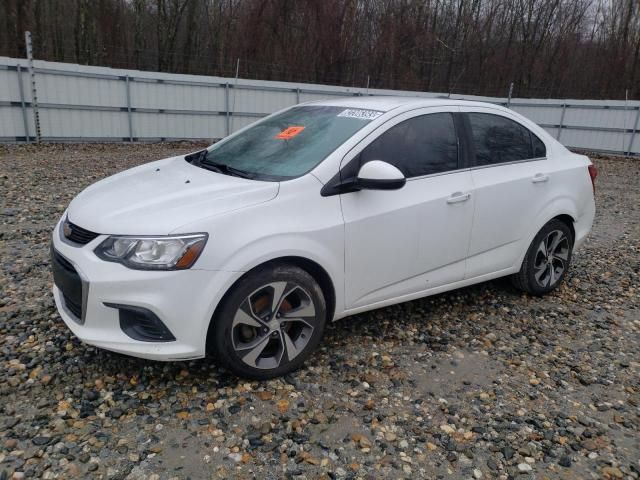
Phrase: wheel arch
pixel 563 209
pixel 569 221
pixel 313 268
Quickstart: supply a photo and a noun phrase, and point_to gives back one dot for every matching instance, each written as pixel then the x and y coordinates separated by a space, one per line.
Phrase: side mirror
pixel 379 175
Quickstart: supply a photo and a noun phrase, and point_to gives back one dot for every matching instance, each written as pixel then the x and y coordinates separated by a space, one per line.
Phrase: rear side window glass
pixel 539 150
pixel 419 146
pixel 498 139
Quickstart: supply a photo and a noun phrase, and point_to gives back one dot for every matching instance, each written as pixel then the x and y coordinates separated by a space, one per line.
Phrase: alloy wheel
pixel 552 257
pixel 273 325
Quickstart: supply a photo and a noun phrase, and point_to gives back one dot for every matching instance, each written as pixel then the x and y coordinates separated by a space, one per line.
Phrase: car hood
pixel 159 197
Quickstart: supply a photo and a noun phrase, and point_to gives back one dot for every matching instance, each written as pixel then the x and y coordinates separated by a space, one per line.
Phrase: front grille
pixel 77 234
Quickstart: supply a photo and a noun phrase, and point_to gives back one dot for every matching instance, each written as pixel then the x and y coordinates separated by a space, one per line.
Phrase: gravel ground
pixel 483 382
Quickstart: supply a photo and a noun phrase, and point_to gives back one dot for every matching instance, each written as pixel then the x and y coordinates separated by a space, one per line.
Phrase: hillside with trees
pixel 547 48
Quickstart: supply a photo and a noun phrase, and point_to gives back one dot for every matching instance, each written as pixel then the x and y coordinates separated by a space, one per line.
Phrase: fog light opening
pixel 141 324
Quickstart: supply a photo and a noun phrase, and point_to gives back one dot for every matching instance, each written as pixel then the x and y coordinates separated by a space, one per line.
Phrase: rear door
pixel 511 177
pixel 408 240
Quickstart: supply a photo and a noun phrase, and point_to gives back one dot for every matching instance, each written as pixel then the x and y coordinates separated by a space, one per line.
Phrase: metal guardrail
pixel 130 109
pixel 229 112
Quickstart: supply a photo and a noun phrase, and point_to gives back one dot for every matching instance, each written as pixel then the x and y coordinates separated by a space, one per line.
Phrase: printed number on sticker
pixel 361 114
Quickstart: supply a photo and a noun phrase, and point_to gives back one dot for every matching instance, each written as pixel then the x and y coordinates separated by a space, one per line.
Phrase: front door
pixel 416 238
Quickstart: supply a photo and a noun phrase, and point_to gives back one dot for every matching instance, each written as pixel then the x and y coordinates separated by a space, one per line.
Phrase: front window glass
pixel 419 146
pixel 289 144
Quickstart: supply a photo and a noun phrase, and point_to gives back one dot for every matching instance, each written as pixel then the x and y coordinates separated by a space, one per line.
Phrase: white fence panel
pixel 606 141
pixel 83 103
pixel 59 124
pixel 9 90
pixel 177 126
pixel 549 115
pixel 267 101
pixel 72 90
pixel 600 117
pixel 238 122
pixel 11 122
pixel 175 96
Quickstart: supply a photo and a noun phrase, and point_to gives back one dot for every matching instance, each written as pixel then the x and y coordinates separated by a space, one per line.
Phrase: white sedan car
pixel 247 249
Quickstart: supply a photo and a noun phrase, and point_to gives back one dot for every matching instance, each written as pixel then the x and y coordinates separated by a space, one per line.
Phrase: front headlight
pixel 173 252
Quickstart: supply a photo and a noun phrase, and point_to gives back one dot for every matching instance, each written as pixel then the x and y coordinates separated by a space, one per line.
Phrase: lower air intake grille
pixel 73 307
pixel 142 324
pixel 68 281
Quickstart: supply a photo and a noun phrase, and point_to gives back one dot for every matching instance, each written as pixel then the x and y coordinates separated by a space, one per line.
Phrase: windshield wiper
pixel 221 167
pixel 234 171
pixel 213 168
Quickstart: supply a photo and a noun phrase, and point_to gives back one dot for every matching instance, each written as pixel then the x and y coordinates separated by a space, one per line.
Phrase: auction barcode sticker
pixel 360 114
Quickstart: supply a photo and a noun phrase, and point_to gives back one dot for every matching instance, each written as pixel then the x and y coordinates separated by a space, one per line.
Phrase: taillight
pixel 593 173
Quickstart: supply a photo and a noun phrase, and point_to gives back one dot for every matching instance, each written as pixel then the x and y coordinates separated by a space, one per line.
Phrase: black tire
pixel 531 278
pixel 244 315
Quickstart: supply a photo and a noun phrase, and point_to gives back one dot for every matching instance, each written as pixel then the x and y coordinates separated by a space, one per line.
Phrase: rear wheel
pixel 547 260
pixel 270 322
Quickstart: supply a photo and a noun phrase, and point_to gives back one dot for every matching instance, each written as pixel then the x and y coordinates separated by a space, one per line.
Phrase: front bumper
pixel 183 300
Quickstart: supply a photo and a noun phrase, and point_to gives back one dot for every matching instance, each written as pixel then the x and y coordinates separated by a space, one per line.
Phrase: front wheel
pixel 547 260
pixel 269 323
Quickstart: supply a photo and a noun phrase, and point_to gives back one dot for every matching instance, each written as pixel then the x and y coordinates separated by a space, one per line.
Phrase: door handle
pixel 540 177
pixel 458 197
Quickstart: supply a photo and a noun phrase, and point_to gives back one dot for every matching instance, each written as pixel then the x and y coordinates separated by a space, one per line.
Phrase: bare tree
pixel 571 48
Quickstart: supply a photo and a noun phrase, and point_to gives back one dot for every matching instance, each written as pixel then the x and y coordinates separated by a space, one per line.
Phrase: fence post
pixel 226 101
pixel 129 115
pixel 297 96
pixel 624 124
pixel 510 93
pixel 564 108
pixel 634 131
pixel 22 104
pixel 34 92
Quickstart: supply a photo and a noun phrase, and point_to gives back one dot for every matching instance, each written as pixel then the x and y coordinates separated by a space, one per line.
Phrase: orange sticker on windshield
pixel 289 133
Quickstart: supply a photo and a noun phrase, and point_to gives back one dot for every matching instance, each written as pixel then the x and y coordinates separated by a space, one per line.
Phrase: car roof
pixel 387 103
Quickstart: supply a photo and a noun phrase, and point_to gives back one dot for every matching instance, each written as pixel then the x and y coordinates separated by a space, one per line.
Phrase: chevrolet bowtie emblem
pixel 66 228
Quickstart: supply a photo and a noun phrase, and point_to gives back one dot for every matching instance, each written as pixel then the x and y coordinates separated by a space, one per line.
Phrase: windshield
pixel 289 144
